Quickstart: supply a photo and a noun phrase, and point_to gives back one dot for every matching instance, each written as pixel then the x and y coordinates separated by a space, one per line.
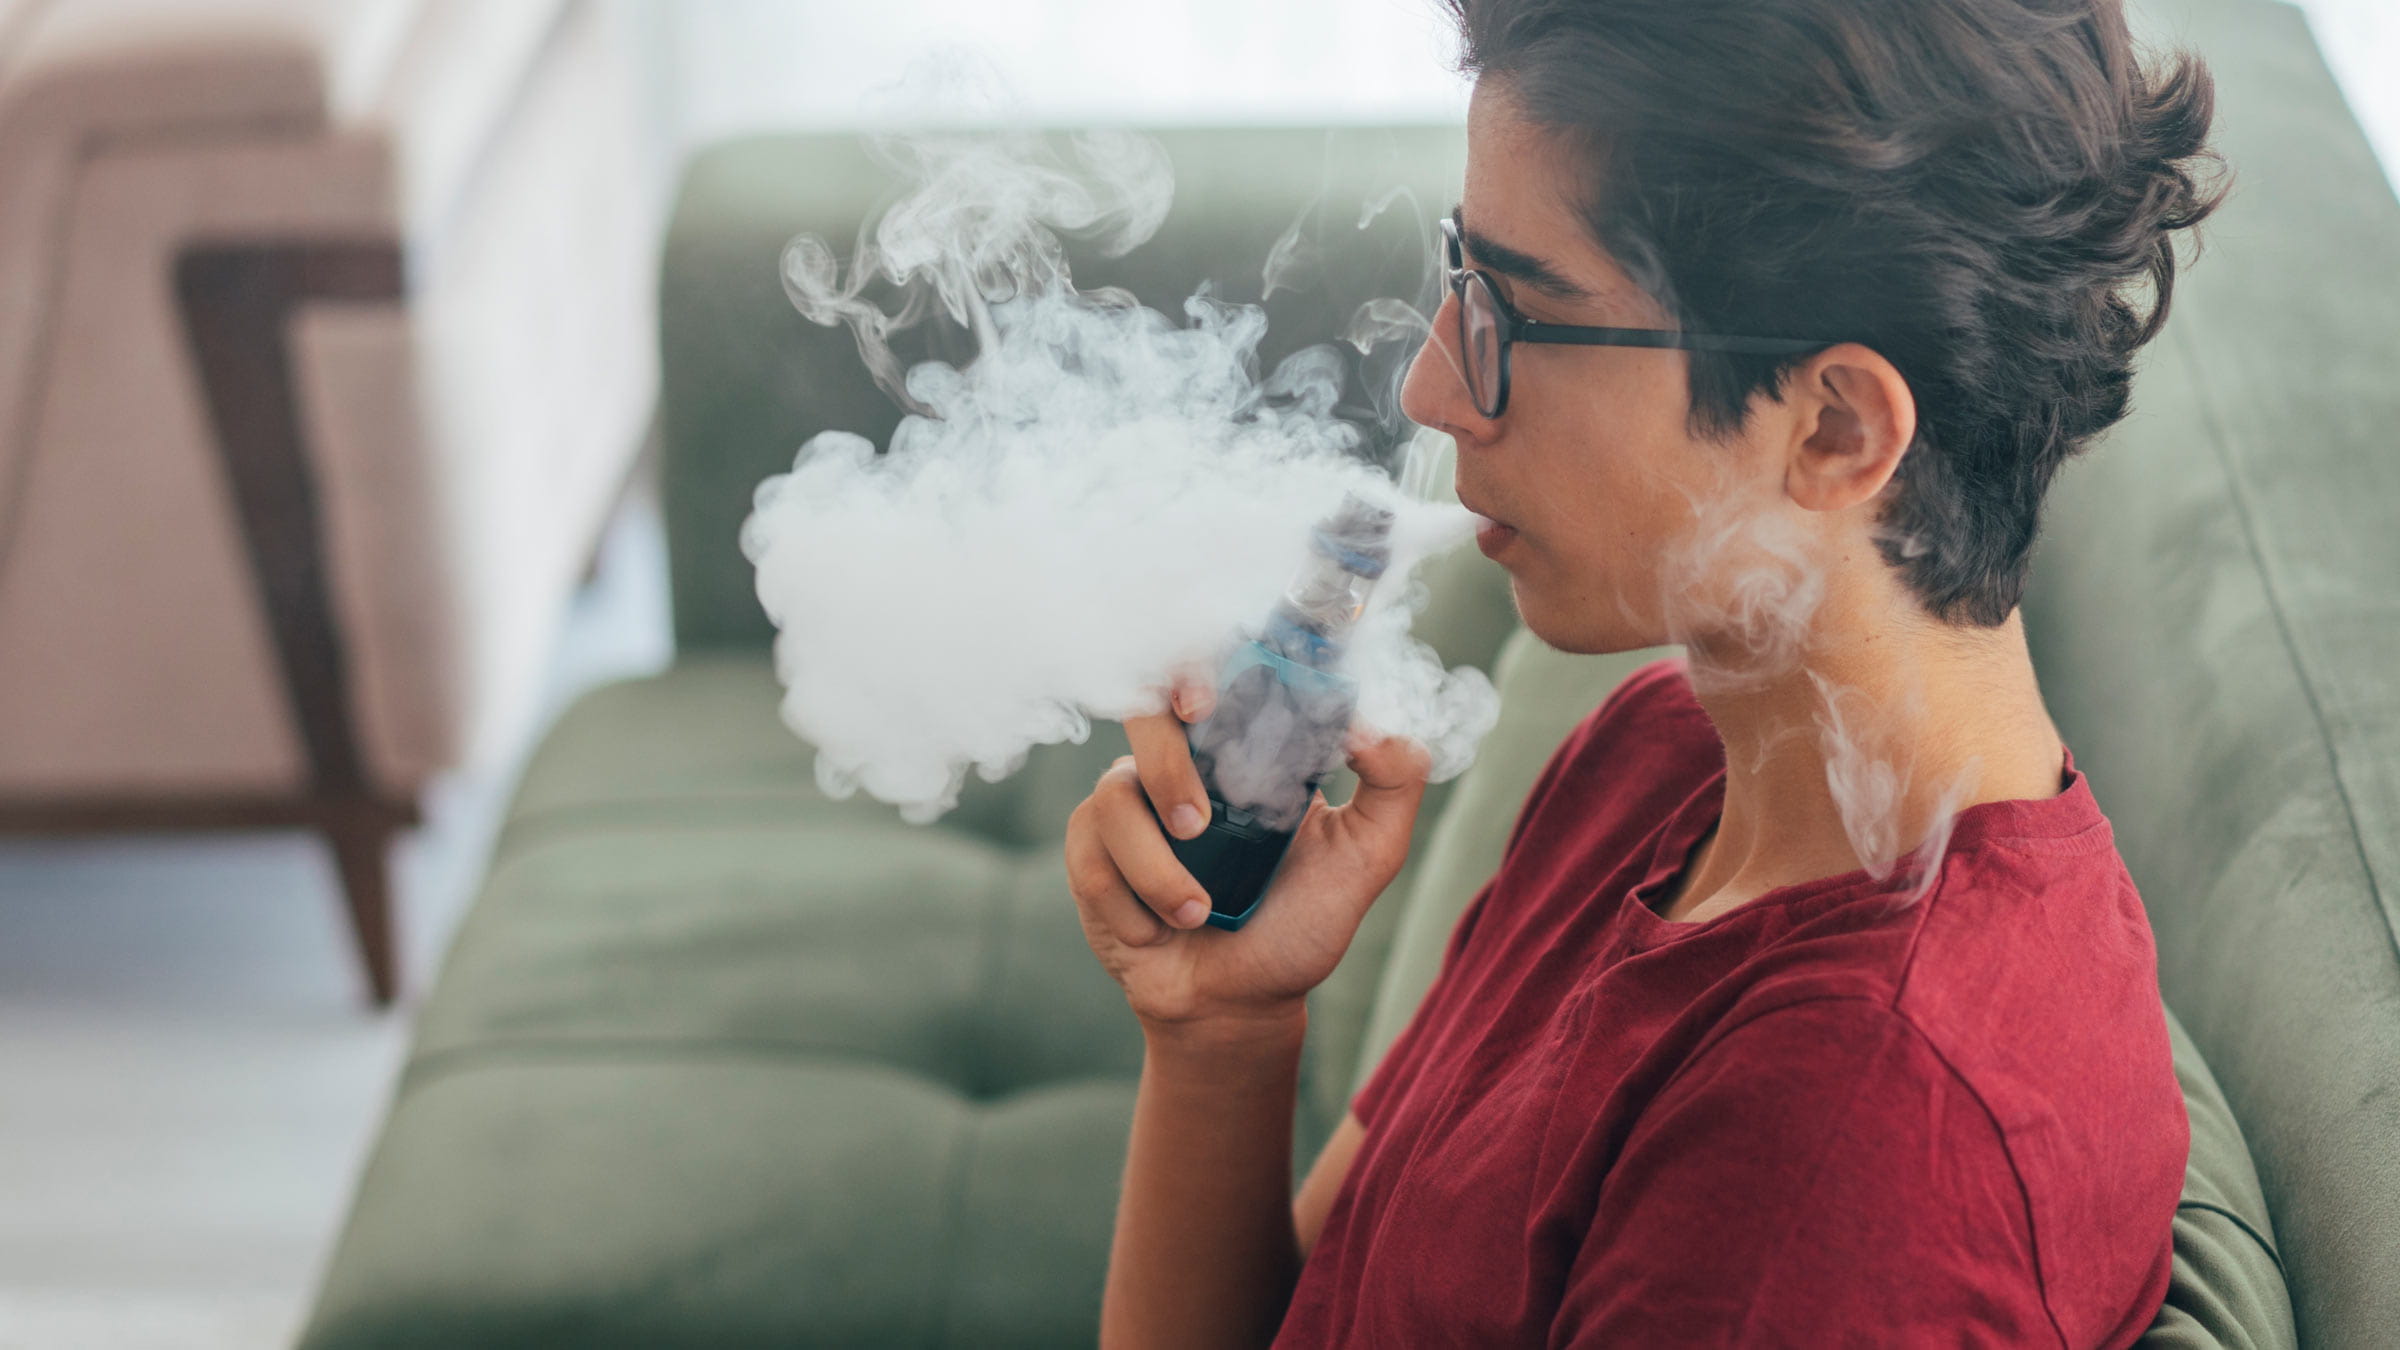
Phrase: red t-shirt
pixel 1818 1119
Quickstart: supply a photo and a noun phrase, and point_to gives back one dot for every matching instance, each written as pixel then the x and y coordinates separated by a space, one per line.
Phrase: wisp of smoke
pixel 1741 588
pixel 1100 499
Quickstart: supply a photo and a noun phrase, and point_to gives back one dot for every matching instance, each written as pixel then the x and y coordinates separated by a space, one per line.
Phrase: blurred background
pixel 351 304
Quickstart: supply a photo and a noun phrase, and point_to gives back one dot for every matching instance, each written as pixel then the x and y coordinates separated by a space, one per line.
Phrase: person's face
pixel 1594 462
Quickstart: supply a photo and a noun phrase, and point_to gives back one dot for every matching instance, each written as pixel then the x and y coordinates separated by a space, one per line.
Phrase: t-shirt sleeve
pixel 1817 1171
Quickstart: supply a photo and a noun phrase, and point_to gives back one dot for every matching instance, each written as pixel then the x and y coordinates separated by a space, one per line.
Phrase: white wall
pixel 749 63
pixel 741 64
pixel 2361 41
pixel 735 65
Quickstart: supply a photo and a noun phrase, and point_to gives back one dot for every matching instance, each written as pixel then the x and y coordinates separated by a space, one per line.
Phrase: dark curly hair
pixel 1981 190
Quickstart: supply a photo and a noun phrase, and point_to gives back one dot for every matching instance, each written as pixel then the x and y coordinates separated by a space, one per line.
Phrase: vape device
pixel 1282 710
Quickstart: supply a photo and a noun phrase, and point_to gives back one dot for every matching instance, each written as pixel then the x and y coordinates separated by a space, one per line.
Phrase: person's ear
pixel 1853 417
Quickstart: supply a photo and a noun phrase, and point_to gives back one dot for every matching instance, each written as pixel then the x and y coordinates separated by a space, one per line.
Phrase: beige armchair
pixel 324 351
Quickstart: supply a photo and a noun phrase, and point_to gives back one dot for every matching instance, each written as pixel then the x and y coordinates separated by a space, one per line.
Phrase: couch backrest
pixel 745 380
pixel 2216 616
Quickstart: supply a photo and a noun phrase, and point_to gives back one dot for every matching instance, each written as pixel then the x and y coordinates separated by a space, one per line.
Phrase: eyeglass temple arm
pixel 1528 330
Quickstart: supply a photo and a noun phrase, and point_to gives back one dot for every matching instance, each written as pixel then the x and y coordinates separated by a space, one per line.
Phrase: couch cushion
pixel 922 950
pixel 838 938
pixel 726 1199
pixel 715 1061
pixel 2228 1286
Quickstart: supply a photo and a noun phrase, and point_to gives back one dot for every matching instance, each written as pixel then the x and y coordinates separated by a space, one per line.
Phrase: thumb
pixel 1391 778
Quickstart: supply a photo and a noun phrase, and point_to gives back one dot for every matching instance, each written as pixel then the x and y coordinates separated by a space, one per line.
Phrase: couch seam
pixel 954 1234
pixel 511 853
pixel 978 1089
pixel 2237 495
pixel 2249 1231
pixel 433 1066
pixel 545 825
pixel 991 979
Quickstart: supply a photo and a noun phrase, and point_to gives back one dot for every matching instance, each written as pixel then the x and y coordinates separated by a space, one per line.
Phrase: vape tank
pixel 1283 709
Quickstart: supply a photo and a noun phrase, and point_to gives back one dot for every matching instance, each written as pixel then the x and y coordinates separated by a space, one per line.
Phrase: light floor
pixel 189 1077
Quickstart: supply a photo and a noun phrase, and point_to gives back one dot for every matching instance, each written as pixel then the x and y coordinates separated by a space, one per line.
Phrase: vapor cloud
pixel 1102 497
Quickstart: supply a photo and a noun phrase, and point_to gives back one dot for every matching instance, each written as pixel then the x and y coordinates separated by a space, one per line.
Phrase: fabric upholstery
pixel 827 1203
pixel 703 744
pixel 465 443
pixel 2215 618
pixel 681 937
pixel 2229 1283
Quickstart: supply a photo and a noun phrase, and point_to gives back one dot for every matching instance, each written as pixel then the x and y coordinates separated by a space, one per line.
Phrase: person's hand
pixel 1146 917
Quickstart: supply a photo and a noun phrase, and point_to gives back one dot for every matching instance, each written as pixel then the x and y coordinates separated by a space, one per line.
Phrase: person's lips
pixel 1494 534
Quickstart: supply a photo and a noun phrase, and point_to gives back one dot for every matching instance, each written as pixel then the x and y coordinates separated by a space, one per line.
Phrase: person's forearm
pixel 1205 1255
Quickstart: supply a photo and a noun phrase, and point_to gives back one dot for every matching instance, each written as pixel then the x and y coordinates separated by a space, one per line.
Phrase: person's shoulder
pixel 2043 934
pixel 1823 1047
pixel 2032 906
pixel 2035 978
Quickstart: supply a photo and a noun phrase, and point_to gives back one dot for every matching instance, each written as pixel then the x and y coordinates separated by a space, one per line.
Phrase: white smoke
pixel 1102 497
pixel 1743 587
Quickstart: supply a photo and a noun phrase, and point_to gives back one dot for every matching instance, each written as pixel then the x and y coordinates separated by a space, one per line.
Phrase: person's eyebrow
pixel 1519 266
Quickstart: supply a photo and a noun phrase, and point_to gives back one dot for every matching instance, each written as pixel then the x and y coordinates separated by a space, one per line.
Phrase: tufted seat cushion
pixel 858 1203
pixel 715 1057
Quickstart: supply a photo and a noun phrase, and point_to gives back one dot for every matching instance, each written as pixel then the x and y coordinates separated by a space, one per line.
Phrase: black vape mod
pixel 1283 708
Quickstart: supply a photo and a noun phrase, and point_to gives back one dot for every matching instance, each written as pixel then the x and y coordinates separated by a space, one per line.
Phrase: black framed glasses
pixel 1488 325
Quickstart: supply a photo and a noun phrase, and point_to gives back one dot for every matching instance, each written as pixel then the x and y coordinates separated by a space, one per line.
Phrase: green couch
pixel 718 1062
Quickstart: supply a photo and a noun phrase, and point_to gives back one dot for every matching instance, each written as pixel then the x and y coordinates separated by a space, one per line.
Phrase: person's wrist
pixel 1270 1029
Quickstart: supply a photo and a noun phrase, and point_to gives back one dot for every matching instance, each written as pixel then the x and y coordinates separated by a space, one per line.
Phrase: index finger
pixel 1162 756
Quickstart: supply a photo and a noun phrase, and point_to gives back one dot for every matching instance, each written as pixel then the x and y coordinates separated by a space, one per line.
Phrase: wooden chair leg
pixel 238 299
pixel 362 853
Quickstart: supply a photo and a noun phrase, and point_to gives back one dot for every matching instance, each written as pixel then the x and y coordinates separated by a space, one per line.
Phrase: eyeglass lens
pixel 1481 348
pixel 1479 343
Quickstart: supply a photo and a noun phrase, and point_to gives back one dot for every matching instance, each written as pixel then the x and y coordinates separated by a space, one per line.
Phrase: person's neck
pixel 1859 750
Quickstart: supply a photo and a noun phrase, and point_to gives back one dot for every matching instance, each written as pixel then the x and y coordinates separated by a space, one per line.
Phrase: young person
pixel 1811 1003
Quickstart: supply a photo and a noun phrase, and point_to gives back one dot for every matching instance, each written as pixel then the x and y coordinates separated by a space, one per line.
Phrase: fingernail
pixel 1192 913
pixel 1187 821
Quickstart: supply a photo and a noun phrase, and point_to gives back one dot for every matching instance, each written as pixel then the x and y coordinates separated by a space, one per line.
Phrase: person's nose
pixel 1435 394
